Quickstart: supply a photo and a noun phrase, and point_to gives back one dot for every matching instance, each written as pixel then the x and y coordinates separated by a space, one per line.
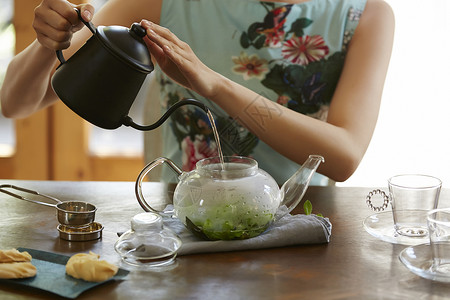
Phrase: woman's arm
pixel 26 87
pixel 353 113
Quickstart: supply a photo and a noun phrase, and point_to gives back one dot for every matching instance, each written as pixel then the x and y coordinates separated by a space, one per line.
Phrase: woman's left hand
pixel 178 61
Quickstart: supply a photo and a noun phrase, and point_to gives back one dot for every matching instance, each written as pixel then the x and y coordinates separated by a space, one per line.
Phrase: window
pixel 413 130
pixel 123 141
pixel 7 38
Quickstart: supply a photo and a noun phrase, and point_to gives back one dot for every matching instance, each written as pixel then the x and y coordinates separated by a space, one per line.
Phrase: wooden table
pixel 354 265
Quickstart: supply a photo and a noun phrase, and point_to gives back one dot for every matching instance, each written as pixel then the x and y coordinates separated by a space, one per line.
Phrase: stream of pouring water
pixel 216 137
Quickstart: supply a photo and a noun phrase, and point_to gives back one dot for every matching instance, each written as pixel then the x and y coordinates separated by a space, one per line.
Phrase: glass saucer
pixel 381 226
pixel 418 260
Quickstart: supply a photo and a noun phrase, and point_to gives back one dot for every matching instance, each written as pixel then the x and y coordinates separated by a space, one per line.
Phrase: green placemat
pixel 51 275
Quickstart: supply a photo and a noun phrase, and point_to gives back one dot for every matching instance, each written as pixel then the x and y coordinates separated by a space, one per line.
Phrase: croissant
pixel 13 255
pixel 88 267
pixel 17 270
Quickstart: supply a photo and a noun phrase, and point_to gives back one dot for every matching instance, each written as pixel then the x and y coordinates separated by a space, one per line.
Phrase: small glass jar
pixel 148 243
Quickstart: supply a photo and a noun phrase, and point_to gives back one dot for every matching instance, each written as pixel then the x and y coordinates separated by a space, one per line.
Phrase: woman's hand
pixel 55 21
pixel 179 62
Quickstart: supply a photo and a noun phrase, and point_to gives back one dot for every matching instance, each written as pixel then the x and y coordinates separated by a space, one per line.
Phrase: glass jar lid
pixel 149 243
pixel 146 222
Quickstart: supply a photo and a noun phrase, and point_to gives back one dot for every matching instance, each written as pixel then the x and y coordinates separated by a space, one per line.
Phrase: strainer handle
pixel 3 186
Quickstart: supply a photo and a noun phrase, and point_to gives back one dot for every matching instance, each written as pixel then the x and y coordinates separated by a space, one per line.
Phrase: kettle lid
pixel 127 44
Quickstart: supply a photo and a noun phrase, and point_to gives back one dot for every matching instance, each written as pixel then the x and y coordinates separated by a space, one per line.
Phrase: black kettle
pixel 102 79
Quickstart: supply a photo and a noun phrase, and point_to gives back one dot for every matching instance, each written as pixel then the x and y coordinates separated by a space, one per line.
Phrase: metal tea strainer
pixel 71 213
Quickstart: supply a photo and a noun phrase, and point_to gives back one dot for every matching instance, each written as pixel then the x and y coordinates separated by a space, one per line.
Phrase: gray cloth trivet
pixel 288 231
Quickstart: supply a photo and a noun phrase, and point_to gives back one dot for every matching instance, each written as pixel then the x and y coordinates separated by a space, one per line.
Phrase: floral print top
pixel 290 53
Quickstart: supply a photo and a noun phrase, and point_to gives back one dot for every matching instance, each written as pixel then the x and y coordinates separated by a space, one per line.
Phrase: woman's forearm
pixel 26 87
pixel 292 134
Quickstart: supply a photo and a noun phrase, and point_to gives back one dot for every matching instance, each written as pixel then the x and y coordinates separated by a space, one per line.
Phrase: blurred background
pixel 412 134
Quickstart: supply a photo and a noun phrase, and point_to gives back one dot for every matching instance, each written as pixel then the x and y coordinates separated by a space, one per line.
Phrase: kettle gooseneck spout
pixel 128 121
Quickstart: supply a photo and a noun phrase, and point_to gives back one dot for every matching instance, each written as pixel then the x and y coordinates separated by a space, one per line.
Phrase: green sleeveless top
pixel 290 53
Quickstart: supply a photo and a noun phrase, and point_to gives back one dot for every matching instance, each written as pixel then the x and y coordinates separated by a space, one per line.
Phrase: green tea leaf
pixel 307 207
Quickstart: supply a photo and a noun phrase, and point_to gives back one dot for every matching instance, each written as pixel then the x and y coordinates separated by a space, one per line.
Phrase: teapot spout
pixel 293 190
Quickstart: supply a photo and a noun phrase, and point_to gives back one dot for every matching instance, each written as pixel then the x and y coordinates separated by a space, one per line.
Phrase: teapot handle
pixel 150 166
pixel 89 25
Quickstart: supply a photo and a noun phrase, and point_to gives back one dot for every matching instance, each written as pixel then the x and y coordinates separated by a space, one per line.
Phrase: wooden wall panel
pixel 31 159
pixel 117 168
pixel 69 145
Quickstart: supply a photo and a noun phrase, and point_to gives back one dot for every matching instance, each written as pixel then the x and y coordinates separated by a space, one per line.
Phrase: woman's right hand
pixel 55 21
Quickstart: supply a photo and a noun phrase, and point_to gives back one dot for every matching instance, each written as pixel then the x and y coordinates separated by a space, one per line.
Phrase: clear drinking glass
pixel 439 231
pixel 411 196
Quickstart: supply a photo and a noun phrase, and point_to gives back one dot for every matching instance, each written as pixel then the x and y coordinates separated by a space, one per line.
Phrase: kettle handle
pixel 150 166
pixel 89 25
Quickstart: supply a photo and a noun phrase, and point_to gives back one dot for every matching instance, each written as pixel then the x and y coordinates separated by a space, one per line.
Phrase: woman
pixel 284 79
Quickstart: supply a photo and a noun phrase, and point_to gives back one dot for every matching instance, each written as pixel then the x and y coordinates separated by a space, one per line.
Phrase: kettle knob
pixel 138 30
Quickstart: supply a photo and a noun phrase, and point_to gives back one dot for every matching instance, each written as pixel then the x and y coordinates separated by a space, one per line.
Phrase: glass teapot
pixel 231 200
